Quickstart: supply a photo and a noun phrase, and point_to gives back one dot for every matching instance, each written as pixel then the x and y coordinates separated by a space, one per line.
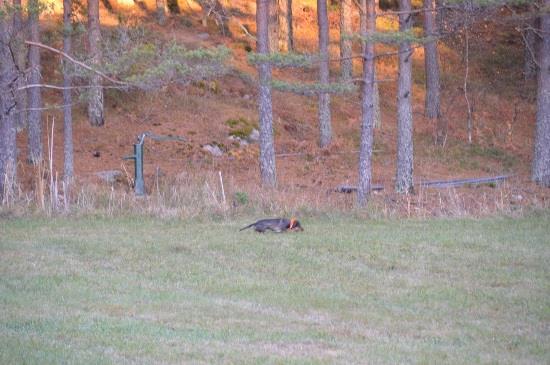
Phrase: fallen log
pixel 348 189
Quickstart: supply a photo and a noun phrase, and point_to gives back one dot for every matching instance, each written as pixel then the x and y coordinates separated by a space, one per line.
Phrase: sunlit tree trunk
pixel 286 37
pixel 35 93
pixel 8 85
pixel 432 108
pixel 346 62
pixel 67 97
pixel 267 148
pixel 368 109
pixel 273 27
pixel 20 50
pixel 404 174
pixel 363 30
pixel 161 13
pixel 541 159
pixel 95 101
pixel 325 129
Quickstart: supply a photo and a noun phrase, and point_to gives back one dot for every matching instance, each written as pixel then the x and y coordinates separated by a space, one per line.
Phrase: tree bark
pixel 95 101
pixel 541 159
pixel 404 174
pixel 363 30
pixel 346 62
pixel 35 93
pixel 161 13
pixel 267 149
pixel 173 6
pixel 20 50
pixel 8 85
pixel 273 26
pixel 432 108
pixel 325 132
pixel 368 109
pixel 67 98
pixel 286 36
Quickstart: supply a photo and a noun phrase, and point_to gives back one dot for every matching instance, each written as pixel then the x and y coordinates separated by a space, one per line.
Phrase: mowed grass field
pixel 345 291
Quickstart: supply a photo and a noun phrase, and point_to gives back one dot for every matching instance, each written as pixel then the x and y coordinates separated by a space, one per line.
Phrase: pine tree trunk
pixel 267 148
pixel 404 174
pixel 432 107
pixel 363 30
pixel 35 93
pixel 346 62
pixel 20 50
pixel 161 13
pixel 440 14
pixel 368 110
pixel 541 159
pixel 325 132
pixel 286 37
pixel 431 59
pixel 273 26
pixel 8 85
pixel 67 97
pixel 95 101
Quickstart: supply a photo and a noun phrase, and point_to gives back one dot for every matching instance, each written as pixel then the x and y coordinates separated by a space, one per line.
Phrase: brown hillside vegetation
pixel 504 117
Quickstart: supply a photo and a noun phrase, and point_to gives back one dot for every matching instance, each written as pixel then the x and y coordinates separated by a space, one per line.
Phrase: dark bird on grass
pixel 276 225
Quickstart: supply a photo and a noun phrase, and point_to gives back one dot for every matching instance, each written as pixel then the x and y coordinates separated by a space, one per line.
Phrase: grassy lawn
pixel 114 291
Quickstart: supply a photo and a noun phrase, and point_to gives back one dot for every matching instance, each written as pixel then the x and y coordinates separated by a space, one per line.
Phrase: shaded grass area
pixel 98 291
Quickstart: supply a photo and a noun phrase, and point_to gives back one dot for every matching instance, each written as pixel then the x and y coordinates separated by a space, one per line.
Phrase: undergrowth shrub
pixel 202 197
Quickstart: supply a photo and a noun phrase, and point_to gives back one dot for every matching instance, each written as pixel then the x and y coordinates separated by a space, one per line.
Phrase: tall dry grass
pixel 217 196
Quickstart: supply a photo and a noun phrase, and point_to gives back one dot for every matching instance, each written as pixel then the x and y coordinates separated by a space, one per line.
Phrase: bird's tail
pixel 250 225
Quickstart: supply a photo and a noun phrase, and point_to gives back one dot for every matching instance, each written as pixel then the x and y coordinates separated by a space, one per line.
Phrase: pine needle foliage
pixel 393 37
pixel 299 60
pixel 283 60
pixel 310 89
pixel 149 66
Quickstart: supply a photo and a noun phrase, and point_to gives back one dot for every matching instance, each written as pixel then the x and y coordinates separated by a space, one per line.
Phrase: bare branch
pixel 530 49
pixel 416 11
pixel 379 55
pixel 56 87
pixel 241 25
pixel 81 64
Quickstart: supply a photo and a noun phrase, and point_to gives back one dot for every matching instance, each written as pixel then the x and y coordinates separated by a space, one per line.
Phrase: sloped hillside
pixel 209 112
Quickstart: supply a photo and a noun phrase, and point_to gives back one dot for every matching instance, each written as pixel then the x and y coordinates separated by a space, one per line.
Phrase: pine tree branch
pixel 81 64
pixel 416 11
pixel 56 87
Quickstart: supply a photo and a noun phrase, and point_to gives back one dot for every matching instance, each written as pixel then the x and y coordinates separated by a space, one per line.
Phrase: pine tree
pixel 20 50
pixel 273 26
pixel 325 129
pixel 431 59
pixel 367 108
pixel 404 174
pixel 8 85
pixel 541 159
pixel 95 101
pixel 35 93
pixel 363 31
pixel 286 30
pixel 67 98
pixel 267 148
pixel 161 13
pixel 346 62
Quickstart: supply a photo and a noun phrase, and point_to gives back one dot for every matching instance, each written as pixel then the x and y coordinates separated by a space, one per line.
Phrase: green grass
pixel 99 291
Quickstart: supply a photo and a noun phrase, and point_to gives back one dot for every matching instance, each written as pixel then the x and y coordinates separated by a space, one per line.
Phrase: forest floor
pixel 205 112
